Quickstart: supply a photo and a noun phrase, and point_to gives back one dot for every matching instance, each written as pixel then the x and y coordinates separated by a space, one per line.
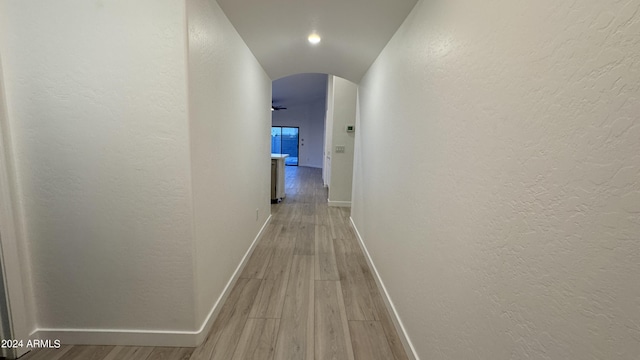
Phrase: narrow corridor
pixel 305 293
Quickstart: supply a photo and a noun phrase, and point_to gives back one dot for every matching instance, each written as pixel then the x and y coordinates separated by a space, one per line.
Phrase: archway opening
pixel 318 112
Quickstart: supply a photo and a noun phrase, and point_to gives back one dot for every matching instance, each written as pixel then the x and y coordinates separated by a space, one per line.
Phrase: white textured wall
pixel 309 117
pixel 497 184
pixel 344 113
pixel 230 125
pixel 96 97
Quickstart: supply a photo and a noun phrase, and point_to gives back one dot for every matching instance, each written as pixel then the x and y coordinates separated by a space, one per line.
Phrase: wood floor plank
pixel 290 220
pixel 325 257
pixel 364 267
pixel 231 330
pixel 170 353
pixel 203 352
pixel 350 260
pixel 258 340
pixel 321 194
pixel 332 337
pixel 87 353
pixel 343 317
pixel 339 225
pixel 357 300
pixel 335 224
pixel 47 354
pixel 346 246
pixel 290 229
pixel 270 299
pixel 322 214
pixel 295 335
pixel 355 290
pixel 227 327
pixel 305 239
pixel 129 353
pixel 346 212
pixel 395 344
pixel 309 209
pixel 369 342
pixel 259 260
pixel 279 265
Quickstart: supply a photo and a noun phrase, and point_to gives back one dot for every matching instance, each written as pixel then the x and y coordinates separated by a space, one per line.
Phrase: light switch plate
pixel 340 149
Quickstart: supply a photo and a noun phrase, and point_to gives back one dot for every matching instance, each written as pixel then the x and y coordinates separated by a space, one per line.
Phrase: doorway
pixel 285 140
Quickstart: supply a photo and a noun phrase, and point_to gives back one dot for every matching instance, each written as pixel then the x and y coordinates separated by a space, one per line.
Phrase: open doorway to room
pixel 298 108
pixel 313 126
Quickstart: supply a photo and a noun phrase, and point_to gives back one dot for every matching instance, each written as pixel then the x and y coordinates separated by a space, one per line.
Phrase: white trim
pixel 402 332
pixel 151 337
pixel 215 309
pixel 119 337
pixel 339 203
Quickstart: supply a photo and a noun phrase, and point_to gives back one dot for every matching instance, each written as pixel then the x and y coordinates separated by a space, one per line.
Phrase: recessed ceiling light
pixel 314 38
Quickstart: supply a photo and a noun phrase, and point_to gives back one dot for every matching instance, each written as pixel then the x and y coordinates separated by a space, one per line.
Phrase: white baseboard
pixel 168 338
pixel 118 337
pixel 402 333
pixel 215 310
pixel 339 203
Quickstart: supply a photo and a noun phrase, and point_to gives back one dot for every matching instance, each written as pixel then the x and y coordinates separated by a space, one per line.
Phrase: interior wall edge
pixel 190 120
pixel 207 323
pixel 170 338
pixel 18 285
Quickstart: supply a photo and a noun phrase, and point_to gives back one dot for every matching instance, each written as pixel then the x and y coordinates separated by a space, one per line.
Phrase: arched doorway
pixel 321 110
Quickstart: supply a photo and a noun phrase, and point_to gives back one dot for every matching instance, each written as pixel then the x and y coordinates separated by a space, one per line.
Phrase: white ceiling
pixel 299 88
pixel 353 33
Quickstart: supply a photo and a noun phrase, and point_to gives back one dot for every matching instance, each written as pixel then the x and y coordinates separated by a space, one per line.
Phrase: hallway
pixel 495 178
pixel 305 293
pixel 306 290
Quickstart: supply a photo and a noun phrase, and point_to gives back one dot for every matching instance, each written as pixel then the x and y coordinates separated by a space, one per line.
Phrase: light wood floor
pixel 81 352
pixel 306 293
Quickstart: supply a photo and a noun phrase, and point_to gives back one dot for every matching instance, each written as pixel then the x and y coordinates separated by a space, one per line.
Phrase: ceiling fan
pixel 277 108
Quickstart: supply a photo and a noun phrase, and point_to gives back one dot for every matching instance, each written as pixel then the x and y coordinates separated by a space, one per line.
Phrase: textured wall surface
pixel 497 181
pixel 309 117
pixel 96 96
pixel 230 126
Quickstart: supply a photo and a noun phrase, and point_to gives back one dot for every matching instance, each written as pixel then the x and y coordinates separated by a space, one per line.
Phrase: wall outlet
pixel 340 149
